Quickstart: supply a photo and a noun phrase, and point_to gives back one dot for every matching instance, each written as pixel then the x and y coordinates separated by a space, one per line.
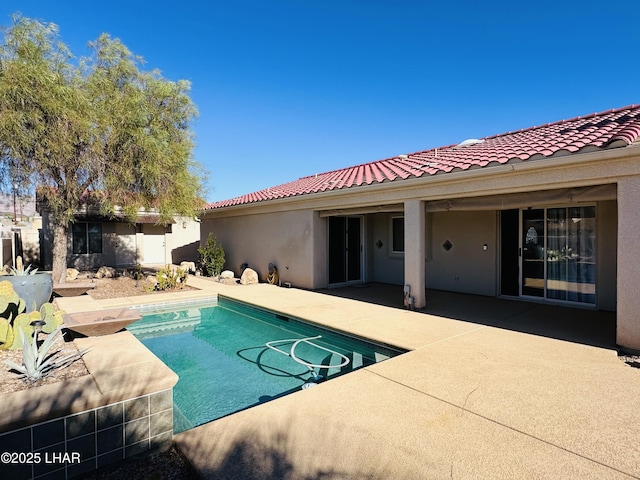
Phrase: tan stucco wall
pixel 29 233
pixel 415 251
pixel 628 328
pixel 183 241
pixel 466 268
pixel 81 262
pixel 384 266
pixel 320 268
pixel 31 243
pixel 293 241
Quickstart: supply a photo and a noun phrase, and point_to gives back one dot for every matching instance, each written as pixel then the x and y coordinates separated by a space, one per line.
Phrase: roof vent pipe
pixel 469 141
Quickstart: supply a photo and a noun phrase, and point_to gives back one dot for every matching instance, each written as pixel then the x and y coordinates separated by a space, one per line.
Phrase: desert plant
pixel 211 257
pixel 51 317
pixel 138 273
pixel 22 323
pixel 36 290
pixel 11 305
pixel 6 334
pixel 169 278
pixel 19 269
pixel 14 317
pixel 37 362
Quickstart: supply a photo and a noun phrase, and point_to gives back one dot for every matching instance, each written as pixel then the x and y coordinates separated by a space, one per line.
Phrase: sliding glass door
pixel 558 259
pixel 571 254
pixel 345 249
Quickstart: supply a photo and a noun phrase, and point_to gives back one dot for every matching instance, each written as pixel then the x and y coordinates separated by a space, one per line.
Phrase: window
pixel 397 234
pixel 87 238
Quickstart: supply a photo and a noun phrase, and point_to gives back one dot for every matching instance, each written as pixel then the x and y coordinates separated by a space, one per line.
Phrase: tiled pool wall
pixel 73 445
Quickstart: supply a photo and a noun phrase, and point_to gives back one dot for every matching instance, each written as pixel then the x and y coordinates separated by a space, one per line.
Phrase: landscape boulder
pixel 228 274
pixel 72 274
pixel 106 272
pixel 189 267
pixel 249 277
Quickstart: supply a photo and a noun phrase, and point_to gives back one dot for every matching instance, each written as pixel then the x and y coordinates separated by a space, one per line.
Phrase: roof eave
pixel 316 200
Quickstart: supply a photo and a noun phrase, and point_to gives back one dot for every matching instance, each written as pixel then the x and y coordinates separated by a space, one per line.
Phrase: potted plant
pixel 33 286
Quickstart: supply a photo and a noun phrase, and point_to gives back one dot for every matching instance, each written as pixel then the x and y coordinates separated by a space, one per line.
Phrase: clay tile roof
pixel 609 129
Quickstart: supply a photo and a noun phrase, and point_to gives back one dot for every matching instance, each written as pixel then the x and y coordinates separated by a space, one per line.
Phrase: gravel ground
pixel 631 360
pixel 169 465
pixel 121 286
pixel 11 382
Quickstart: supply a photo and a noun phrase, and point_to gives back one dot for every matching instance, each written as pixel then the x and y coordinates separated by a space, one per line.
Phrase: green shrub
pixel 211 257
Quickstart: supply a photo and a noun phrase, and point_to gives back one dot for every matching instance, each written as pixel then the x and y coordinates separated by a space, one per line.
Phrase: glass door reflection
pixel 533 249
pixel 571 254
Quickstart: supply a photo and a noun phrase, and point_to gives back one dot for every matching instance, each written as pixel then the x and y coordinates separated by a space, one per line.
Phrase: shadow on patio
pixel 578 325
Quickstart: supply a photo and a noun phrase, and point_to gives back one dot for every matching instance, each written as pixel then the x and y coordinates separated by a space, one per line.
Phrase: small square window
pixel 86 238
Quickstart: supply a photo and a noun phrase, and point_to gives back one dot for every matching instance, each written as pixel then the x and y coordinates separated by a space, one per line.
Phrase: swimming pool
pixel 230 356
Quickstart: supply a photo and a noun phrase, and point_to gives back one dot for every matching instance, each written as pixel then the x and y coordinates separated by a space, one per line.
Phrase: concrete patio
pixel 491 389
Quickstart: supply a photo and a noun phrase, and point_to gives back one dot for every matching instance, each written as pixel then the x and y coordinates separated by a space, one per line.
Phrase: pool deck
pixel 484 393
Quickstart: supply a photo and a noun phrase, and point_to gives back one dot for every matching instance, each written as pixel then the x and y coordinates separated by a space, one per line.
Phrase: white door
pixel 154 244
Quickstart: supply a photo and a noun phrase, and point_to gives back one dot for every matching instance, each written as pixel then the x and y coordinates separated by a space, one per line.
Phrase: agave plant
pixel 37 362
pixel 19 269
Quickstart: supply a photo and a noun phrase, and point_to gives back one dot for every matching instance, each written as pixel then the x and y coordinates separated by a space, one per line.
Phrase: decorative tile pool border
pixel 77 444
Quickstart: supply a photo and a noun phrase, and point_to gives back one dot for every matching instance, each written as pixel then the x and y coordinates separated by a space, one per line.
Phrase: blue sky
pixel 289 88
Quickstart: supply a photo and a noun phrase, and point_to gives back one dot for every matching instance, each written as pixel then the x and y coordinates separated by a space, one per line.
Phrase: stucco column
pixel 628 308
pixel 415 250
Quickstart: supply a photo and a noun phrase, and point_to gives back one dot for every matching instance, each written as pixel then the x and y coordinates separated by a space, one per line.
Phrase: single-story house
pixel 95 240
pixel 549 213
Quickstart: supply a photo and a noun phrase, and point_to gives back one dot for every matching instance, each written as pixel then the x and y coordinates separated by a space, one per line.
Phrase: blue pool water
pixel 219 352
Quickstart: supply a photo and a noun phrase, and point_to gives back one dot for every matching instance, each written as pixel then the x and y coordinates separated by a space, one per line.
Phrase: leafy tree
pixel 97 131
